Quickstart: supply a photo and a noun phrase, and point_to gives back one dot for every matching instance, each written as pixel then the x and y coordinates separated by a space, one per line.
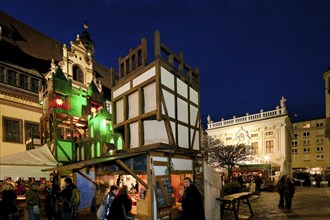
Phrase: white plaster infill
pixel 248 118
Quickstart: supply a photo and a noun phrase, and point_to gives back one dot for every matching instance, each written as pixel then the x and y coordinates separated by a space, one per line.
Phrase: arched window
pixel 78 74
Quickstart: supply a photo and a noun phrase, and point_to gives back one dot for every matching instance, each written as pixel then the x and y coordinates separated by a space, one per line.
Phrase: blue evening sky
pixel 250 52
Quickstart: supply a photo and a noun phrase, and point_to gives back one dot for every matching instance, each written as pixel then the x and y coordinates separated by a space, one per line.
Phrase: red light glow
pixel 59 102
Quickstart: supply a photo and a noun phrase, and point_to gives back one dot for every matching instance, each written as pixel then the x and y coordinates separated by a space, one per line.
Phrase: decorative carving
pixel 242 136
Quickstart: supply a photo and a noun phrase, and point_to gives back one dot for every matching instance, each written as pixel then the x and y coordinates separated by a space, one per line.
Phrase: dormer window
pixel 78 74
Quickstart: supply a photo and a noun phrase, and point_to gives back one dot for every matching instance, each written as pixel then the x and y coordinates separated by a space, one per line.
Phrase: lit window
pixel 270 146
pixel 308 125
pixel 255 147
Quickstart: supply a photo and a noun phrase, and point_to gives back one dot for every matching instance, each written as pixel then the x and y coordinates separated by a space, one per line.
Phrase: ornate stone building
pixel 268 132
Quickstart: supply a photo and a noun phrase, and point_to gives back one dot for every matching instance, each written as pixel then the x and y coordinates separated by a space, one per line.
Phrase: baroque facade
pixel 269 134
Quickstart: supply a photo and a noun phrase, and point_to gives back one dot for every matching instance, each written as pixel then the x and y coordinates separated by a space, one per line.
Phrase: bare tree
pixel 219 155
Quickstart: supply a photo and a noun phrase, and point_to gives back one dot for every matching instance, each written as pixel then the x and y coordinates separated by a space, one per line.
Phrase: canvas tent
pixel 212 187
pixel 27 164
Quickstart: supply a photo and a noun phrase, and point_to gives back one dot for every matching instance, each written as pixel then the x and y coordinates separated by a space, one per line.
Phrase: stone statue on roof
pixel 282 102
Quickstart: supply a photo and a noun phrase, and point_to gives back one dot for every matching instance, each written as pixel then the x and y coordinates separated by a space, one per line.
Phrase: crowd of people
pixel 51 199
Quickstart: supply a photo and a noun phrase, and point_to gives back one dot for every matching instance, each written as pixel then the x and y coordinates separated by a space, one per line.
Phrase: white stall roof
pixel 27 164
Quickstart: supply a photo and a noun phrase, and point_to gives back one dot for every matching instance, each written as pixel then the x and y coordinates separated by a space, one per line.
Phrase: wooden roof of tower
pixel 135 66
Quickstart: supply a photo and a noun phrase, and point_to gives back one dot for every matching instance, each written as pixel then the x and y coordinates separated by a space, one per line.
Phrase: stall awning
pixel 27 164
pixel 86 163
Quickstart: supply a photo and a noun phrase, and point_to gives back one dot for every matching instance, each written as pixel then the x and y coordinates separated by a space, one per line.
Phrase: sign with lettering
pixel 164 191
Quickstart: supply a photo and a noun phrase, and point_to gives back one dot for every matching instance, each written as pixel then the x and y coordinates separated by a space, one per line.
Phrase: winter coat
pixel 192 204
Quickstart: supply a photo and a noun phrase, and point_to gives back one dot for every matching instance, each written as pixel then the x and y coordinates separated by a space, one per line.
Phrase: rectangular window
pixel 307 150
pixel 24 81
pixel 319 148
pixel 295 135
pixel 320 157
pixel 254 135
pixel 307 142
pixel 31 130
pixel 306 134
pixel 12 130
pixel 319 140
pixel 294 143
pixel 269 133
pixel 2 74
pixel 319 124
pixel 270 146
pixel 34 85
pixel 12 78
pixel 255 148
pixel 294 151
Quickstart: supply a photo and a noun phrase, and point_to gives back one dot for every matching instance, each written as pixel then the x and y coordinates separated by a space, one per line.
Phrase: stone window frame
pixel 5 130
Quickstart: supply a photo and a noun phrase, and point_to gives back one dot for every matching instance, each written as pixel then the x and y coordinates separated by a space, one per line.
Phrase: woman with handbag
pixel 104 209
pixel 33 201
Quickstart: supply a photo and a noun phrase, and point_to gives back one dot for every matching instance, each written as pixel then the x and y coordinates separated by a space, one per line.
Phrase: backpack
pixel 75 197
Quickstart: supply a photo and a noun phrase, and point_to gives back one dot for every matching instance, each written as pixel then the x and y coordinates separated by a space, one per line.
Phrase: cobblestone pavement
pixel 309 203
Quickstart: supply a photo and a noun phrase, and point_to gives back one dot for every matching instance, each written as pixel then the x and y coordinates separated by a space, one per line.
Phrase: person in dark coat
pixel 52 202
pixel 192 202
pixel 121 206
pixel 258 182
pixel 7 204
pixel 280 190
pixel 289 190
pixel 67 212
pixel 318 179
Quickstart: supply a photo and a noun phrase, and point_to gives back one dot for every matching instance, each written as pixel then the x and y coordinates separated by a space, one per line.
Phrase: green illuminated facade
pixel 75 123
